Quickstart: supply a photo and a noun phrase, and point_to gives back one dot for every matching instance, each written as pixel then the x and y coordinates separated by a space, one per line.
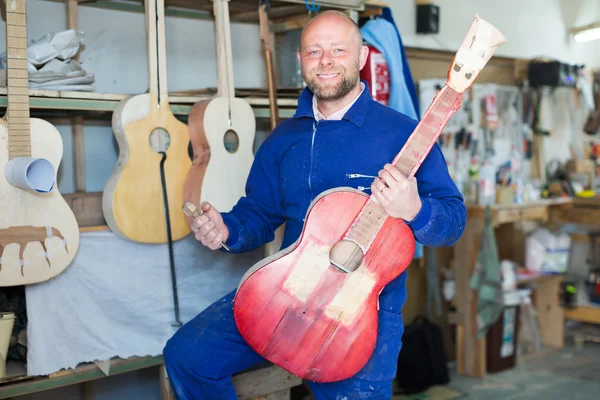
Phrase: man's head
pixel 331 55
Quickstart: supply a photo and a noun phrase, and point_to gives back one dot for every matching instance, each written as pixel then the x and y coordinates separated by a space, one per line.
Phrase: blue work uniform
pixel 300 159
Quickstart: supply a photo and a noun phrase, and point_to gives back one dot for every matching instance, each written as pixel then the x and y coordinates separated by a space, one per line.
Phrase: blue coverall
pixel 300 159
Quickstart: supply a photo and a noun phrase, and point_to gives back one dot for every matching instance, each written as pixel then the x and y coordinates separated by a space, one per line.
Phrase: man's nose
pixel 326 60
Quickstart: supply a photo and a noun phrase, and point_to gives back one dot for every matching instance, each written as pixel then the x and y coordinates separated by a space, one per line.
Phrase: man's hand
pixel 398 196
pixel 209 228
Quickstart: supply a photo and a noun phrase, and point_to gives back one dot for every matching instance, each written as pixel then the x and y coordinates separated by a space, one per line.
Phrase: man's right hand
pixel 209 227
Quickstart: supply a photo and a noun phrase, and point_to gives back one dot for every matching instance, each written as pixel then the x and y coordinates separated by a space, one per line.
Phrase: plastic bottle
pixel 516 167
pixel 487 184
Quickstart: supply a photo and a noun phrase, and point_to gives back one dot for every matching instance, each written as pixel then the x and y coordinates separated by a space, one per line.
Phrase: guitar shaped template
pixel 39 234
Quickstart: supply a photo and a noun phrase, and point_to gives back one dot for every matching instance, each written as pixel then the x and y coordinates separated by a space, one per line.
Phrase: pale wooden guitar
pixel 146 130
pixel 39 235
pixel 222 132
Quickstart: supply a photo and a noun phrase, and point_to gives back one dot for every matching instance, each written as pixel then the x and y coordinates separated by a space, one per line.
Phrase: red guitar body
pixel 302 313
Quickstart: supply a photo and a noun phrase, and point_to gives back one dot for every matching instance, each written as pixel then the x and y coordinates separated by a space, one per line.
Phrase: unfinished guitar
pixel 222 132
pixel 312 308
pixel 153 154
pixel 39 235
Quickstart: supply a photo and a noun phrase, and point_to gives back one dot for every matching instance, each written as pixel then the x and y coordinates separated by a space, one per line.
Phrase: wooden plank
pixel 87 208
pixel 263 381
pixel 550 312
pixel 83 373
pixel 429 63
pixel 470 352
pixel 583 314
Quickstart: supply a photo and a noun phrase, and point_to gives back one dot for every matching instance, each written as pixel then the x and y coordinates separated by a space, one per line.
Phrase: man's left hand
pixel 398 196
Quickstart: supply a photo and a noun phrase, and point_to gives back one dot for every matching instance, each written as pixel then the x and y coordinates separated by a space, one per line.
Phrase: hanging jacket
pixel 302 158
pixel 381 34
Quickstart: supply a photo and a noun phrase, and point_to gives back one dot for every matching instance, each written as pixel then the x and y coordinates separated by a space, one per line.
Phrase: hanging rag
pixel 486 279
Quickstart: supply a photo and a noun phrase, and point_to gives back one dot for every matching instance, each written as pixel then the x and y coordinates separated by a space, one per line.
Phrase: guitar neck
pixel 19 140
pixel 408 161
pixel 225 85
pixel 157 54
pixel 444 105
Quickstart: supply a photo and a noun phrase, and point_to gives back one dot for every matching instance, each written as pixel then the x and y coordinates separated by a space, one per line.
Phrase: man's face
pixel 331 57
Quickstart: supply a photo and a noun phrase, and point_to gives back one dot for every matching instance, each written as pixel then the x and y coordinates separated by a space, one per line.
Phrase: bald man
pixel 338 137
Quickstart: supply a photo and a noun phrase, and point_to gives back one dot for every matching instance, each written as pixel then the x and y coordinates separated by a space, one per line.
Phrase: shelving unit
pixel 102 103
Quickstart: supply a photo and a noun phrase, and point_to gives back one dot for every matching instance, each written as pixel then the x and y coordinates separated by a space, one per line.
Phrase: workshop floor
pixel 568 373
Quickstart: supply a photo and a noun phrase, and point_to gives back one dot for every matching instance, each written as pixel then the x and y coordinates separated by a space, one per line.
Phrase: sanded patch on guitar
pixel 351 296
pixel 308 269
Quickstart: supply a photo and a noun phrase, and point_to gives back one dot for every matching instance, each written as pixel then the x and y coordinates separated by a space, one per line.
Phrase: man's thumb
pixel 210 211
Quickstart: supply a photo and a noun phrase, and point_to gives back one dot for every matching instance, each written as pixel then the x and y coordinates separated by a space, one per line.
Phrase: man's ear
pixel 299 58
pixel 362 56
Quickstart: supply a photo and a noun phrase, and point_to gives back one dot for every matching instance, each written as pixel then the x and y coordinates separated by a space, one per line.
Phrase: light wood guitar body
pixel 312 308
pixel 38 228
pixel 219 172
pixel 222 132
pixel 39 234
pixel 132 202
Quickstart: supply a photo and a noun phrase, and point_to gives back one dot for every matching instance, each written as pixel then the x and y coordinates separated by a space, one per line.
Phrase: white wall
pixel 533 28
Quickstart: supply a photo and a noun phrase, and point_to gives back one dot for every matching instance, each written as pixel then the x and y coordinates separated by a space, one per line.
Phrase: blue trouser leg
pixel 203 354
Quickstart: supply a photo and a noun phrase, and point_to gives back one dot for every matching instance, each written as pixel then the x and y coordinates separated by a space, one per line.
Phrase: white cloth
pixel 116 299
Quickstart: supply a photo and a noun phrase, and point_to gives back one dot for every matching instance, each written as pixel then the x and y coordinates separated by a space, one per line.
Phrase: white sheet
pixel 115 299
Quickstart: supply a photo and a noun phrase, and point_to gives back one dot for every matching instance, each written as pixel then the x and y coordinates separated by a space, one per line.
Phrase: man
pixel 339 136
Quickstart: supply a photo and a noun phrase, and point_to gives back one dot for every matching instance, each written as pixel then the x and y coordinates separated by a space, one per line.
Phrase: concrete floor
pixel 568 373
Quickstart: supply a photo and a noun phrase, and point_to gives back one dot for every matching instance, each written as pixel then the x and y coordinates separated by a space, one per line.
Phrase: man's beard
pixel 336 92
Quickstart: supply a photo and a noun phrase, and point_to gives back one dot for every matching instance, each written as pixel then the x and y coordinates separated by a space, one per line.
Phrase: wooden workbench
pixel 585 213
pixel 471 352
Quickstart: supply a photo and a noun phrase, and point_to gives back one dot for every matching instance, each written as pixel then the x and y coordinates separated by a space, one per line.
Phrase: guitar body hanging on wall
pixel 222 132
pixel 39 234
pixel 153 154
pixel 312 308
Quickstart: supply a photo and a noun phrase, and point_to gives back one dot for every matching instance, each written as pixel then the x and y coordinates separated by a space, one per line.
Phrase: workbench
pixel 470 351
pixel 585 213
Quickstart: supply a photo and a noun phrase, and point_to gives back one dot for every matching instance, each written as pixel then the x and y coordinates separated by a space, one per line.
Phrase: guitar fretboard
pixel 372 216
pixel 19 142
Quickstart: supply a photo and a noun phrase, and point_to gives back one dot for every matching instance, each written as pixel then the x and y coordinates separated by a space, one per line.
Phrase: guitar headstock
pixel 477 48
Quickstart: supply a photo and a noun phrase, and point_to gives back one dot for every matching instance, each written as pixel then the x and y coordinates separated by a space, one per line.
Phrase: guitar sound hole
pixel 231 141
pixel 159 140
pixel 346 256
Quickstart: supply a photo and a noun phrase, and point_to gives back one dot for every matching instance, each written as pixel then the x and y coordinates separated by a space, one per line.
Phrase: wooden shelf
pixel 241 11
pixel 81 374
pixel 587 314
pixel 87 102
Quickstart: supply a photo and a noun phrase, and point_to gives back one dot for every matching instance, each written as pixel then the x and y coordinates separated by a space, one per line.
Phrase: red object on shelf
pixel 377 74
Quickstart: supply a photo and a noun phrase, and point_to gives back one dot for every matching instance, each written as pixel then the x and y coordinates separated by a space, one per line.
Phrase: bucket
pixel 7 320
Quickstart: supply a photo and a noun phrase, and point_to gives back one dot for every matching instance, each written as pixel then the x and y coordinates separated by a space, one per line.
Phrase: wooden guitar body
pixel 39 235
pixel 223 153
pixel 301 312
pixel 222 132
pixel 132 201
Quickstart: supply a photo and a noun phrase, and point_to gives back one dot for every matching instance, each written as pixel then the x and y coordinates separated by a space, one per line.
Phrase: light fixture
pixel 587 32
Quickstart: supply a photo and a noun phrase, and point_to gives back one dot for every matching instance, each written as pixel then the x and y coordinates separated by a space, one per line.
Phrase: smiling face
pixel 331 55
